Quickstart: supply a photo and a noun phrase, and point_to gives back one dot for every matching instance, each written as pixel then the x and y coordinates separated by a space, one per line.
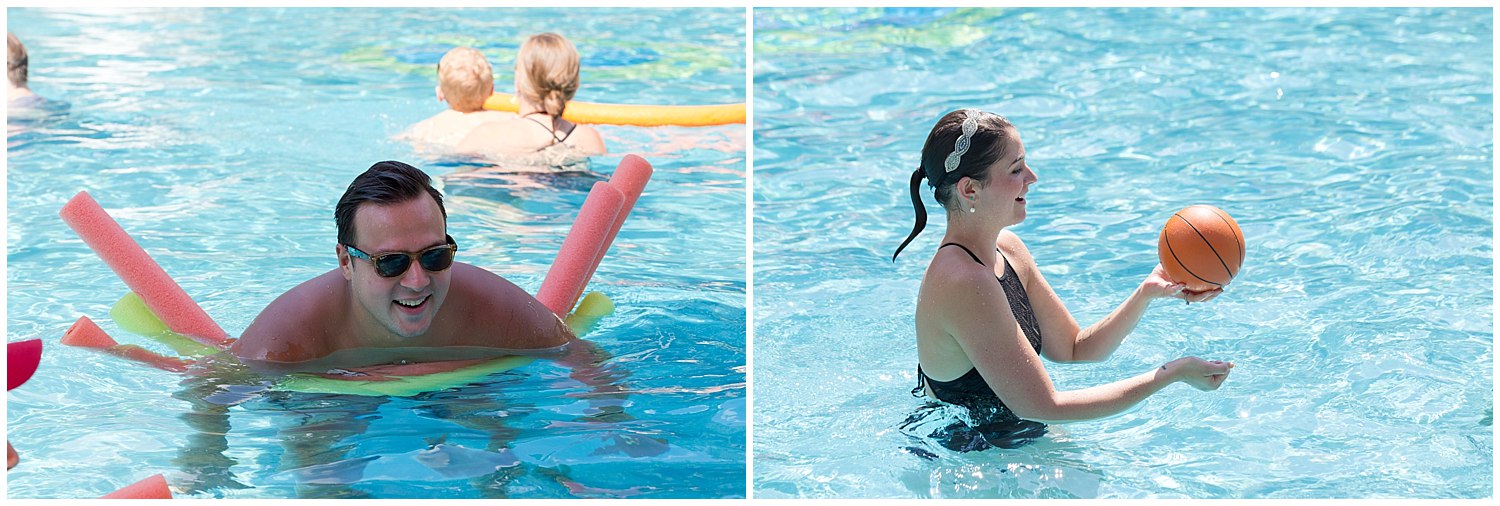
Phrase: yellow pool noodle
pixel 402 386
pixel 636 115
pixel 131 313
pixel 594 307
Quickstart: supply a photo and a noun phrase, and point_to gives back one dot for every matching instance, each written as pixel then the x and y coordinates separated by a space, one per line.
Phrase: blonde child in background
pixel 465 81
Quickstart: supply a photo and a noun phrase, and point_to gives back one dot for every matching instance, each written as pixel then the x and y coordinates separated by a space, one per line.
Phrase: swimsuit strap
pixel 966 250
pixel 1015 292
pixel 567 128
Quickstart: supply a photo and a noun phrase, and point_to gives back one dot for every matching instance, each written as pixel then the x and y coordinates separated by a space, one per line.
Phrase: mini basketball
pixel 1202 247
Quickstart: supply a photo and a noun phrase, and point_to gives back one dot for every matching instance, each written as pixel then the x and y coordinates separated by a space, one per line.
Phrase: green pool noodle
pixel 131 313
pixel 594 307
pixel 402 386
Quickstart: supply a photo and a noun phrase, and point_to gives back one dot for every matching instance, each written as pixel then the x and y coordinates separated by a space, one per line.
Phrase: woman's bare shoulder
pixel 589 140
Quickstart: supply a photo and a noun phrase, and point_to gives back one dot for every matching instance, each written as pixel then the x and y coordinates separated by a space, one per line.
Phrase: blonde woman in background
pixel 546 79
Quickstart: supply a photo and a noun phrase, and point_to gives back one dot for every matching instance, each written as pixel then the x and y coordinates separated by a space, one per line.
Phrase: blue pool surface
pixel 221 139
pixel 1353 146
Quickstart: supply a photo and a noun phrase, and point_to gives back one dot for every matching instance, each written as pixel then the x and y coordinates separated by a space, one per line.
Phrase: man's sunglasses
pixel 390 265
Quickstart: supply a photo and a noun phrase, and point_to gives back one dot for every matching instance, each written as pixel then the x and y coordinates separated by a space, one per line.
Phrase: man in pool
pixel 398 296
pixel 465 81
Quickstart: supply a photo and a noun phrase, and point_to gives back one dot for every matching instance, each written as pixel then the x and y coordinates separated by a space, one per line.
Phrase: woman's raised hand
pixel 1158 285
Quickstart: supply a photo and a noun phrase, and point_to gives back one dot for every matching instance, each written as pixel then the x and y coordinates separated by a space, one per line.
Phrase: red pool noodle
pixel 630 178
pixel 143 275
pixel 86 334
pixel 569 272
pixel 154 487
pixel 21 359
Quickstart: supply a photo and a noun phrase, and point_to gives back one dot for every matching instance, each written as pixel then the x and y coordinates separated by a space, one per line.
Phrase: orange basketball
pixel 1202 247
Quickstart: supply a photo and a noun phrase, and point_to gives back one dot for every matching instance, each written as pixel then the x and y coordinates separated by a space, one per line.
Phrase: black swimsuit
pixel 562 125
pixel 993 424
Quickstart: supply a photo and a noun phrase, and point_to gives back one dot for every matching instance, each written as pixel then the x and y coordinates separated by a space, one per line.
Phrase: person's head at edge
pixel 16 61
pixel 392 208
pixel 547 72
pixel 992 149
pixel 465 79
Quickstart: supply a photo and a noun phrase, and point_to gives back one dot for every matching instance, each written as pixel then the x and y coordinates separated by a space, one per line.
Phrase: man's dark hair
pixel 388 182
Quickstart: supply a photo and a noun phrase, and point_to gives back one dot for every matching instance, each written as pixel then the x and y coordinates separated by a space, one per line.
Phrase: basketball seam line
pixel 1183 265
pixel 1237 235
pixel 1210 245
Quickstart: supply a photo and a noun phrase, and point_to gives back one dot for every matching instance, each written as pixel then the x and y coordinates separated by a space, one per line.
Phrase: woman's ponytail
pixel 916 202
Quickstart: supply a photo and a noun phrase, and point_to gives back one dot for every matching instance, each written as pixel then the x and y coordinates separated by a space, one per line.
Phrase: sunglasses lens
pixel 437 259
pixel 393 265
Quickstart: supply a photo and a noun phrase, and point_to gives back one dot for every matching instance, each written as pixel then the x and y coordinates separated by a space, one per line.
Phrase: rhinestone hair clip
pixel 971 125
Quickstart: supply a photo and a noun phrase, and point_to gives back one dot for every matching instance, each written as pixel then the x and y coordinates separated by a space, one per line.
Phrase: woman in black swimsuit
pixel 985 315
pixel 547 76
pixel 546 79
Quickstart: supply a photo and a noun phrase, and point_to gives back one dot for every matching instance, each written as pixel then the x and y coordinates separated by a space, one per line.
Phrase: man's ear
pixel 439 91
pixel 346 263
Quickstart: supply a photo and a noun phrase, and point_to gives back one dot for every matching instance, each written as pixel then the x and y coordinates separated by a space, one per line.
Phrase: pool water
pixel 1353 146
pixel 221 139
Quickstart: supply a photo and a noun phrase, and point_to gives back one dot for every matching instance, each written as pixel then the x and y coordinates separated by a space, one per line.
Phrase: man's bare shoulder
pixel 299 324
pixel 495 312
pixel 477 290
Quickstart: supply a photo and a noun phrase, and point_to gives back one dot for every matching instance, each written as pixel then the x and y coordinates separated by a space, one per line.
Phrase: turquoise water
pixel 1354 147
pixel 221 140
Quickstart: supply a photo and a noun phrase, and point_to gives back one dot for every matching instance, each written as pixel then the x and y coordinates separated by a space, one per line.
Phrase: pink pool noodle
pixel 163 296
pixel 21 359
pixel 86 334
pixel 630 178
pixel 569 272
pixel 154 487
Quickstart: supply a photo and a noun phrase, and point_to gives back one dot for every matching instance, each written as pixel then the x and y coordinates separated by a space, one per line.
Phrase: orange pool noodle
pixel 85 333
pixel 570 270
pixel 154 487
pixel 21 359
pixel 630 178
pixel 142 274
pixel 1202 247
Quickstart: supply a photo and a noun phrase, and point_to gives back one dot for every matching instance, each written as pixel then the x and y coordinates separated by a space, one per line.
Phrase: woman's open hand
pixel 1201 374
pixel 1158 285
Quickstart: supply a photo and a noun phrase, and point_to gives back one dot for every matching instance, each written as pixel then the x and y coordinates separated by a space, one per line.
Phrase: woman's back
pixel 527 135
